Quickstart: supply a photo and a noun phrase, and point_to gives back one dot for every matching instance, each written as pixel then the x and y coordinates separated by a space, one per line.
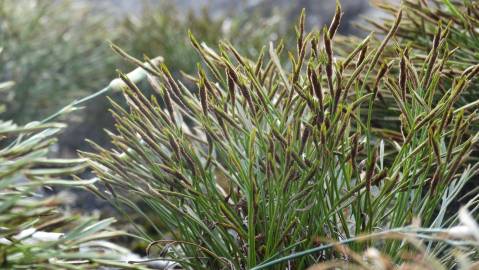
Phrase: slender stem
pixel 75 103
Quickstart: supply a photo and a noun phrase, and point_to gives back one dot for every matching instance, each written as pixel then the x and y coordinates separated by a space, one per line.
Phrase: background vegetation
pixel 248 145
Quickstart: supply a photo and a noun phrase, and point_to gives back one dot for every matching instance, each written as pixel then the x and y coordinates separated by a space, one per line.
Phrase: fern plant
pixel 263 158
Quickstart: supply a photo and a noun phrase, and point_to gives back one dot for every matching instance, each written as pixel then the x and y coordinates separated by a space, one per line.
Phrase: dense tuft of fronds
pixel 263 158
